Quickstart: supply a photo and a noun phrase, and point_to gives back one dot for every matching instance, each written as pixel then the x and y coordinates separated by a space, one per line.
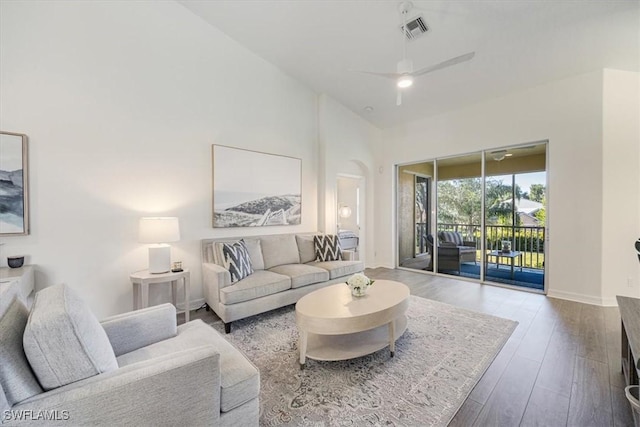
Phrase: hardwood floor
pixel 560 367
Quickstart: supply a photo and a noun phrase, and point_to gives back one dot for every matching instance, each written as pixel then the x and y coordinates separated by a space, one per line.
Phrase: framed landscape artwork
pixel 14 202
pixel 253 189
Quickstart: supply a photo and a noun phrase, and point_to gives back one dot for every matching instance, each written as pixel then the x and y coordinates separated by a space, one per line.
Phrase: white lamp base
pixel 159 259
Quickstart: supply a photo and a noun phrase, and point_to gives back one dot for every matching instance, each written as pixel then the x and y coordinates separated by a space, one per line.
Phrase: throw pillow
pixel 255 253
pixel 327 247
pixel 306 248
pixel 63 340
pixel 236 260
pixel 452 237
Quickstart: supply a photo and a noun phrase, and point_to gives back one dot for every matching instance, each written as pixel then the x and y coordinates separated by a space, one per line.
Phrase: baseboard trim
pixel 384 266
pixel 585 299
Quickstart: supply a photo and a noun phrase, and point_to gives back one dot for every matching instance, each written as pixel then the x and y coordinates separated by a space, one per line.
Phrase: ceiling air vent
pixel 415 28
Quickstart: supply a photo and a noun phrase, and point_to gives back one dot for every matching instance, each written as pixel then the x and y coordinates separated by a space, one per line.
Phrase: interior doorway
pixel 350 215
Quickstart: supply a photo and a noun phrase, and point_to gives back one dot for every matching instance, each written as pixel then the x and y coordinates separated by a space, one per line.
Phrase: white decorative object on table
pixel 359 283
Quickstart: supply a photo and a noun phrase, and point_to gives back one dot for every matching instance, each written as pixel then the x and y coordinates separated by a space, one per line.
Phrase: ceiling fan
pixel 405 74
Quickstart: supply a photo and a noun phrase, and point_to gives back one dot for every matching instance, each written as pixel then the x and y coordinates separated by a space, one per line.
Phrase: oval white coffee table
pixel 334 325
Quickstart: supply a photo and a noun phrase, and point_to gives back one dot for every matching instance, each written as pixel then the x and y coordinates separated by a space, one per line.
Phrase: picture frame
pixel 14 184
pixel 255 189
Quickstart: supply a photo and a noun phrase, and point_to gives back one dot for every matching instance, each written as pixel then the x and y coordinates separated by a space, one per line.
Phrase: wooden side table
pixel 142 279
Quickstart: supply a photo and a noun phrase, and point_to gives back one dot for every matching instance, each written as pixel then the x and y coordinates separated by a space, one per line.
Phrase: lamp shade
pixel 159 230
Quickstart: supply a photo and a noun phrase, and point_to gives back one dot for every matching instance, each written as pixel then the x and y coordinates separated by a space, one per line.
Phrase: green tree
pixel 537 193
pixel 541 216
pixel 421 200
pixel 499 202
pixel 459 201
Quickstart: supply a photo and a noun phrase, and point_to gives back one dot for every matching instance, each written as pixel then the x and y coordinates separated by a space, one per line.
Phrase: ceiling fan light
pixel 405 82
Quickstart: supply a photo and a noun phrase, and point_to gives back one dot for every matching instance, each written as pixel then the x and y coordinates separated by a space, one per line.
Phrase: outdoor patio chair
pixel 450 255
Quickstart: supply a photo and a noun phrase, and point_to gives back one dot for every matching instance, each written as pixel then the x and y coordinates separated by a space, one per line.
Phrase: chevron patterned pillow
pixel 236 260
pixel 327 247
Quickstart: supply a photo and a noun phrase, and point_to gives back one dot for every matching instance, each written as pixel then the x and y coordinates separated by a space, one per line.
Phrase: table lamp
pixel 160 231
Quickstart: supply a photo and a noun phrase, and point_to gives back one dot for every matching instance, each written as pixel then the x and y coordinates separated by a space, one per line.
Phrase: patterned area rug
pixel 439 359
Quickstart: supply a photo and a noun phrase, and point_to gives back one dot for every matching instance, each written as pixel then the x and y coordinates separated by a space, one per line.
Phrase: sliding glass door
pixel 480 216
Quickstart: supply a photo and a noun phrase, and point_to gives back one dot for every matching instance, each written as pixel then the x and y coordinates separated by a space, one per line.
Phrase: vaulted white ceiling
pixel 518 44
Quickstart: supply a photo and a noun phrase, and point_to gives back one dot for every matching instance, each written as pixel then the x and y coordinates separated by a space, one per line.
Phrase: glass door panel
pixel 459 214
pixel 415 188
pixel 515 215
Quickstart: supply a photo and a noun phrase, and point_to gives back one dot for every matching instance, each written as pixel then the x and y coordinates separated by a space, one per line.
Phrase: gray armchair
pixel 451 252
pixel 146 372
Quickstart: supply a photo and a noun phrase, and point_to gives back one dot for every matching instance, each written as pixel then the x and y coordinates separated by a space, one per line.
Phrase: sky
pixel 243 175
pixel 524 180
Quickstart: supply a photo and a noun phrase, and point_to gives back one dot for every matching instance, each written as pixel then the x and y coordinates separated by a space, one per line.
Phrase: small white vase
pixel 359 292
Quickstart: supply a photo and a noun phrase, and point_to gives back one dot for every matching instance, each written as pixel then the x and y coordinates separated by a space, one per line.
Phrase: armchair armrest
pixel 469 243
pixel 214 278
pixel 140 328
pixel 448 245
pixel 151 393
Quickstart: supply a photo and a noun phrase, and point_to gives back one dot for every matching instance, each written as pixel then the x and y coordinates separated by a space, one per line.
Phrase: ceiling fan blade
pixel 399 98
pixel 447 63
pixel 373 73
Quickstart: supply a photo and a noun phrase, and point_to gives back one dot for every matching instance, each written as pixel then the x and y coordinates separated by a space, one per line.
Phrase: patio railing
pixel 529 240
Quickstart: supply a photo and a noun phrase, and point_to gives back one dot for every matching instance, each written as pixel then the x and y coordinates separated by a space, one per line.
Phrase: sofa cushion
pixel 327 247
pixel 302 275
pixel 261 283
pixel 236 259
pixel 306 249
pixel 239 379
pixel 339 268
pixel 279 249
pixel 214 252
pixel 17 381
pixel 255 253
pixel 63 340
pixel 451 236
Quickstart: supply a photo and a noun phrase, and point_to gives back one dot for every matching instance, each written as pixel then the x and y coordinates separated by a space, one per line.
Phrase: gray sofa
pixel 60 366
pixel 285 269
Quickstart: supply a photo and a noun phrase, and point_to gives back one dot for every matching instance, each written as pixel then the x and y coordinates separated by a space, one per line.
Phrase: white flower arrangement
pixel 359 283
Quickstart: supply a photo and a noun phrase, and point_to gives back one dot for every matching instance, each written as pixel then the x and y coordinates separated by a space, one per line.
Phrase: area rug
pixel 439 359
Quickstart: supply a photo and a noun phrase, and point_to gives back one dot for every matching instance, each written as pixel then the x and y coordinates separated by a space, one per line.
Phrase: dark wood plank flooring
pixel 561 366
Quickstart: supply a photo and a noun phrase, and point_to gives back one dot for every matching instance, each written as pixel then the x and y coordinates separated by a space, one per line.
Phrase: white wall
pixel 620 191
pixel 568 113
pixel 346 147
pixel 121 102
